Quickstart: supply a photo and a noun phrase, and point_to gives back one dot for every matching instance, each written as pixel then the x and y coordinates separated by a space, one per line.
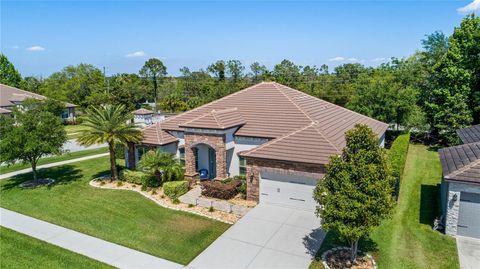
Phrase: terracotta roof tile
pixel 142 111
pixel 4 111
pixel 462 162
pixel 217 119
pixel 155 135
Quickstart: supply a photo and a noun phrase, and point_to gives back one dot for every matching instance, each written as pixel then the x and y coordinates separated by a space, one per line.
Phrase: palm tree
pixel 109 124
pixel 163 165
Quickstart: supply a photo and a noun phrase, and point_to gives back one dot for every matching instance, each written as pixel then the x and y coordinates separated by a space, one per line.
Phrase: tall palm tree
pixel 163 165
pixel 109 124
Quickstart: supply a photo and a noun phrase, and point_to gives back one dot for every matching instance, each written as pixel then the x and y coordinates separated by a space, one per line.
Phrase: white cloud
pixel 136 54
pixel 379 59
pixel 352 60
pixel 337 59
pixel 36 48
pixel 473 6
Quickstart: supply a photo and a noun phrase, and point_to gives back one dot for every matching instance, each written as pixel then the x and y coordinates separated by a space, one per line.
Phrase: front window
pixel 182 156
pixel 242 166
pixel 65 114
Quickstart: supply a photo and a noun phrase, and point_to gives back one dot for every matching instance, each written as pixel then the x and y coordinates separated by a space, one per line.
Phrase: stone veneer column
pixel 221 158
pixel 253 180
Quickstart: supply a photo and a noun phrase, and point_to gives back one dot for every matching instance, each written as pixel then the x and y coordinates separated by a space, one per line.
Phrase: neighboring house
pixel 144 117
pixel 279 138
pixel 11 97
pixel 460 192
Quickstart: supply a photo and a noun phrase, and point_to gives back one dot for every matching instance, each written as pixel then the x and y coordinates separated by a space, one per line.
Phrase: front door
pixel 212 163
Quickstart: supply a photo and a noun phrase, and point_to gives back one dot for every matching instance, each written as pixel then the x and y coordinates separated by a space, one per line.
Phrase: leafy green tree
pixel 76 84
pixel 163 165
pixel 34 131
pixel 218 69
pixel 32 84
pixel 109 124
pixel 155 70
pixel 259 72
pixel 356 192
pixel 287 73
pixel 128 90
pixel 8 74
pixel 235 70
pixel 454 100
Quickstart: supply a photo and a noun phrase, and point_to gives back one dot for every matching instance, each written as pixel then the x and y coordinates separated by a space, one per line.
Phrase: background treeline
pixel 436 90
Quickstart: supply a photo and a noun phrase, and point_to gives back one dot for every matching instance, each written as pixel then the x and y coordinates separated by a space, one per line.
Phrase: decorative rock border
pixel 328 252
pixel 168 204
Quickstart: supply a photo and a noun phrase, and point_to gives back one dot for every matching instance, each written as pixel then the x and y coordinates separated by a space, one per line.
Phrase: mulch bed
pixel 340 258
pixel 33 184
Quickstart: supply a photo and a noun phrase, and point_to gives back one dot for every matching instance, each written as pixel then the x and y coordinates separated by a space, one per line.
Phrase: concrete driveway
pixel 468 252
pixel 268 236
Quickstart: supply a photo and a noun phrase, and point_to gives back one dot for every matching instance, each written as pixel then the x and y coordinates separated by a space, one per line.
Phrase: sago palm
pixel 109 124
pixel 162 164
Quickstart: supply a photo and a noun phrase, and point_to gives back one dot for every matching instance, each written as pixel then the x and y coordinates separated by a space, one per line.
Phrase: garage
pixel 469 215
pixel 288 190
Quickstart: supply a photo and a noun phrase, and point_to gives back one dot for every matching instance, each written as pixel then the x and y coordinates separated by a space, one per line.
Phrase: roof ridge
pixel 213 102
pixel 215 118
pixel 462 169
pixel 273 141
pixel 307 115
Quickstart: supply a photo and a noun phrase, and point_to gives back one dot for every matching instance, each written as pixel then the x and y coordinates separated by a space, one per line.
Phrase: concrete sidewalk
pixel 89 246
pixel 28 170
pixel 468 252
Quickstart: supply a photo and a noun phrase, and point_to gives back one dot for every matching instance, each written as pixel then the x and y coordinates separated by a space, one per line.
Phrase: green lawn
pixel 21 251
pixel 53 159
pixel 407 240
pixel 122 217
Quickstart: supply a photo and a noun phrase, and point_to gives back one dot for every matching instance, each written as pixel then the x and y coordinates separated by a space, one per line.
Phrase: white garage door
pixel 288 190
pixel 469 215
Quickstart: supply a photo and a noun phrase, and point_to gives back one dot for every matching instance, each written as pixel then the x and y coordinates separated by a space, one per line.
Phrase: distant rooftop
pixel 9 96
pixel 469 134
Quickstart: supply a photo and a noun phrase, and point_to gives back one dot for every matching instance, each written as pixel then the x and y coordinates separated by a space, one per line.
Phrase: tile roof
pixel 142 111
pixel 9 95
pixel 306 145
pixel 461 163
pixel 155 135
pixel 217 119
pixel 271 110
pixel 4 111
pixel 469 134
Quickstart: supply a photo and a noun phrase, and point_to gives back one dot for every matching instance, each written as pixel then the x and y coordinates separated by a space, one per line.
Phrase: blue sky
pixel 41 37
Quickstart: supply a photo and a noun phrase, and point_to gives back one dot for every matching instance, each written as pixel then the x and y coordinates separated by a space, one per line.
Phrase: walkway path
pixel 89 246
pixel 468 252
pixel 28 170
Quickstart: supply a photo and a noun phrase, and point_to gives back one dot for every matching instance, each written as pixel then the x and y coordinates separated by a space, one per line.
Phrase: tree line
pixel 435 90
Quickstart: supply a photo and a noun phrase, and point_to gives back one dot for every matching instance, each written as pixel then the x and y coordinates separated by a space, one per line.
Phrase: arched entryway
pixel 205 158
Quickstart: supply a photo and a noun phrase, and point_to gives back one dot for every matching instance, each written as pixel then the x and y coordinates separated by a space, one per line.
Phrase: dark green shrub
pixel 398 154
pixel 211 209
pixel 242 188
pixel 139 178
pixel 143 188
pixel 175 189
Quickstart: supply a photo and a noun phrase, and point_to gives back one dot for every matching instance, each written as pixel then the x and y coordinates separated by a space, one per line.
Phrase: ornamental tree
pixel 34 131
pixel 356 192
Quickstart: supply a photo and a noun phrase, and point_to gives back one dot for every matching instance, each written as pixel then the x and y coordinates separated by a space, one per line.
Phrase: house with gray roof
pixel 279 138
pixel 460 192
pixel 11 97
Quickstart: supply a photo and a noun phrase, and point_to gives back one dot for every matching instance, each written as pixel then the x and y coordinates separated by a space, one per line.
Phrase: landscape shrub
pixel 398 154
pixel 221 190
pixel 175 189
pixel 139 178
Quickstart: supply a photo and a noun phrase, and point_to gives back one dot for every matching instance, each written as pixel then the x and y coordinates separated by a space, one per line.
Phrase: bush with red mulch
pixel 221 190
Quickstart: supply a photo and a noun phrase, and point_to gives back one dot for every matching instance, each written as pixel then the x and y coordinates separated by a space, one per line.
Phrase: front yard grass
pixel 53 159
pixel 21 251
pixel 121 217
pixel 407 239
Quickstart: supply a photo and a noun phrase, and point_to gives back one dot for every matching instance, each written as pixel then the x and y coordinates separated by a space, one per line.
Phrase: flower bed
pixel 157 195
pixel 339 257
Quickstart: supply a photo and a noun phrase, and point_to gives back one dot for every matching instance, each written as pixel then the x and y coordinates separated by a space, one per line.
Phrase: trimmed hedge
pixel 398 154
pixel 175 189
pixel 221 190
pixel 139 178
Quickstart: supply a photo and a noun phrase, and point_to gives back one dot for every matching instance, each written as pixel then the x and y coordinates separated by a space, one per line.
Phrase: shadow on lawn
pixel 64 174
pixel 429 195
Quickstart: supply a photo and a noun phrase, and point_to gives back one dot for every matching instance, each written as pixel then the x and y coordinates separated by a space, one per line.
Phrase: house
pixel 279 138
pixel 460 190
pixel 11 97
pixel 144 117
